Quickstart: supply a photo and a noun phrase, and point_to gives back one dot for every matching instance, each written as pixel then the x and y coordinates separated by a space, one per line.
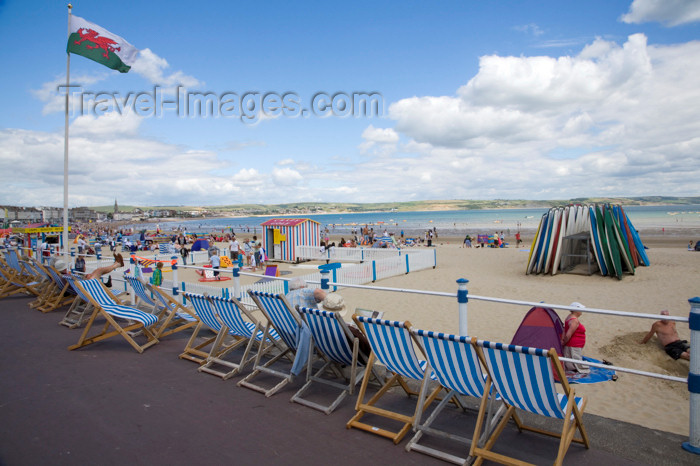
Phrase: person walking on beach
pixel 667 335
pixel 574 339
pixel 233 248
pixel 184 252
pixel 215 263
pixel 517 239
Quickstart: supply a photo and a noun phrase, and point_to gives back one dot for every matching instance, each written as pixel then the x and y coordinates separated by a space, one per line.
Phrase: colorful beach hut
pixel 282 235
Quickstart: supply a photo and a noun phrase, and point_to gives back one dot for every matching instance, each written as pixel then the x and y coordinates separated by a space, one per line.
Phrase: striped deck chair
pixel 207 319
pixel 79 311
pixel 524 378
pixel 105 305
pixel 47 284
pixel 143 298
pixel 286 321
pixel 392 345
pixel 331 338
pixel 11 285
pixel 456 365
pixel 172 316
pixel 245 332
pixel 59 295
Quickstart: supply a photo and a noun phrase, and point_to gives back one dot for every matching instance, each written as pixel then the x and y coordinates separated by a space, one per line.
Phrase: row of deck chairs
pixel 426 365
pixel 31 277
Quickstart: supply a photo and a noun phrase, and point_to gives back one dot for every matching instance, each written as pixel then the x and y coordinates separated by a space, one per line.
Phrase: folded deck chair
pixel 79 312
pixel 172 316
pixel 456 365
pixel 331 338
pixel 524 379
pixel 392 345
pixel 105 305
pixel 245 332
pixel 286 321
pixel 206 319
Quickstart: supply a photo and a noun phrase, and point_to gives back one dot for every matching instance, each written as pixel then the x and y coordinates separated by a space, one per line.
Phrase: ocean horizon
pixel 646 219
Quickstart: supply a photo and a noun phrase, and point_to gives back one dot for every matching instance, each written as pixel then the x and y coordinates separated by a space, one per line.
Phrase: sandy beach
pixel 667 284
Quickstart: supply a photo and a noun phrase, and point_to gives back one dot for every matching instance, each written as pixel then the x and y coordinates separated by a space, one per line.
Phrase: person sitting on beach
pixel 300 295
pixel 667 335
pixel 467 242
pixel 335 303
pixel 574 339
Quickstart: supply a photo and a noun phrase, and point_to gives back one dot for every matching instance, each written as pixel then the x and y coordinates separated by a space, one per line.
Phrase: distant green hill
pixel 453 204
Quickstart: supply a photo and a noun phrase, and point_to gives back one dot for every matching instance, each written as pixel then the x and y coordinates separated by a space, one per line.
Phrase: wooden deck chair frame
pixel 402 364
pixel 285 320
pixel 230 312
pixel 173 317
pixel 105 305
pixel 56 297
pixel 542 365
pixel 49 289
pixel 40 275
pixel 79 312
pixel 11 286
pixel 331 337
pixel 457 367
pixel 206 319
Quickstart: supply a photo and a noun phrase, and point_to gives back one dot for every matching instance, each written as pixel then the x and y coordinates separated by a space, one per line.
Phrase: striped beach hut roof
pixel 286 222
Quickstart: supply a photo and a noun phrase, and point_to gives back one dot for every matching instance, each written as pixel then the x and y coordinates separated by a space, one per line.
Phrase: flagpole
pixel 65 145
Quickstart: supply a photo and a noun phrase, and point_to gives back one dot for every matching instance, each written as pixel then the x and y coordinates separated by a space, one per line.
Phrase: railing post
pixel 693 443
pixel 236 281
pixel 374 271
pixel 324 280
pixel 175 287
pixel 184 300
pixel 462 303
pixel 408 267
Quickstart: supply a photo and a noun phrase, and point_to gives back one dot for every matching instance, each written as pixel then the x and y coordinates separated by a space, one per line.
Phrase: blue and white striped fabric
pixel 454 362
pixel 392 345
pixel 165 304
pixel 56 277
pixel 139 289
pixel 71 281
pixel 10 280
pixel 280 316
pixel 93 288
pixel 202 307
pixel 524 378
pixel 231 316
pixel 13 260
pixel 329 337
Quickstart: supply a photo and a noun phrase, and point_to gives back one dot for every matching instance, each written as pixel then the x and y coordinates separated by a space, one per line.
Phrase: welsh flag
pixel 100 45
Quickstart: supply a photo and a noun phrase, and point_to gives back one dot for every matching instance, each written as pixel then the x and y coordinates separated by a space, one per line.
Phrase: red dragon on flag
pixel 100 42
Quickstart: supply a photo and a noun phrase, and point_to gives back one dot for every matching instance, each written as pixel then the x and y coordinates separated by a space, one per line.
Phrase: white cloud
pixel 379 141
pixel 612 117
pixel 53 95
pixel 668 12
pixel 152 67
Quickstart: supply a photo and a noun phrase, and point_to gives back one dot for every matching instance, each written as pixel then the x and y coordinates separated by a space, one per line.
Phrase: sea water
pixel 648 219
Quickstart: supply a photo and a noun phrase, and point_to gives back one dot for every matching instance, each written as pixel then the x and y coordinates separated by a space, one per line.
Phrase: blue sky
pixel 480 100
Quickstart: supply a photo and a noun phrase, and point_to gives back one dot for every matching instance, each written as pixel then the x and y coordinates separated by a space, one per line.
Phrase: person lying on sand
pixel 665 331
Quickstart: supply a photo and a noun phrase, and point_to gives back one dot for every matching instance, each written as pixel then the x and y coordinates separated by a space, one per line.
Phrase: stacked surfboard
pixel 614 241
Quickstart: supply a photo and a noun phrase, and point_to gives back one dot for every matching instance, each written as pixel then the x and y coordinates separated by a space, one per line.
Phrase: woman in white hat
pixel 336 304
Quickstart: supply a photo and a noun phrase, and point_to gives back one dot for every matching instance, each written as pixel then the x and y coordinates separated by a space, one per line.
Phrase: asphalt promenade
pixel 108 405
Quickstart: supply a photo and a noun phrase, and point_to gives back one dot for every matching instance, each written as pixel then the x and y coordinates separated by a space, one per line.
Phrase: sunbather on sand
pixel 668 337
